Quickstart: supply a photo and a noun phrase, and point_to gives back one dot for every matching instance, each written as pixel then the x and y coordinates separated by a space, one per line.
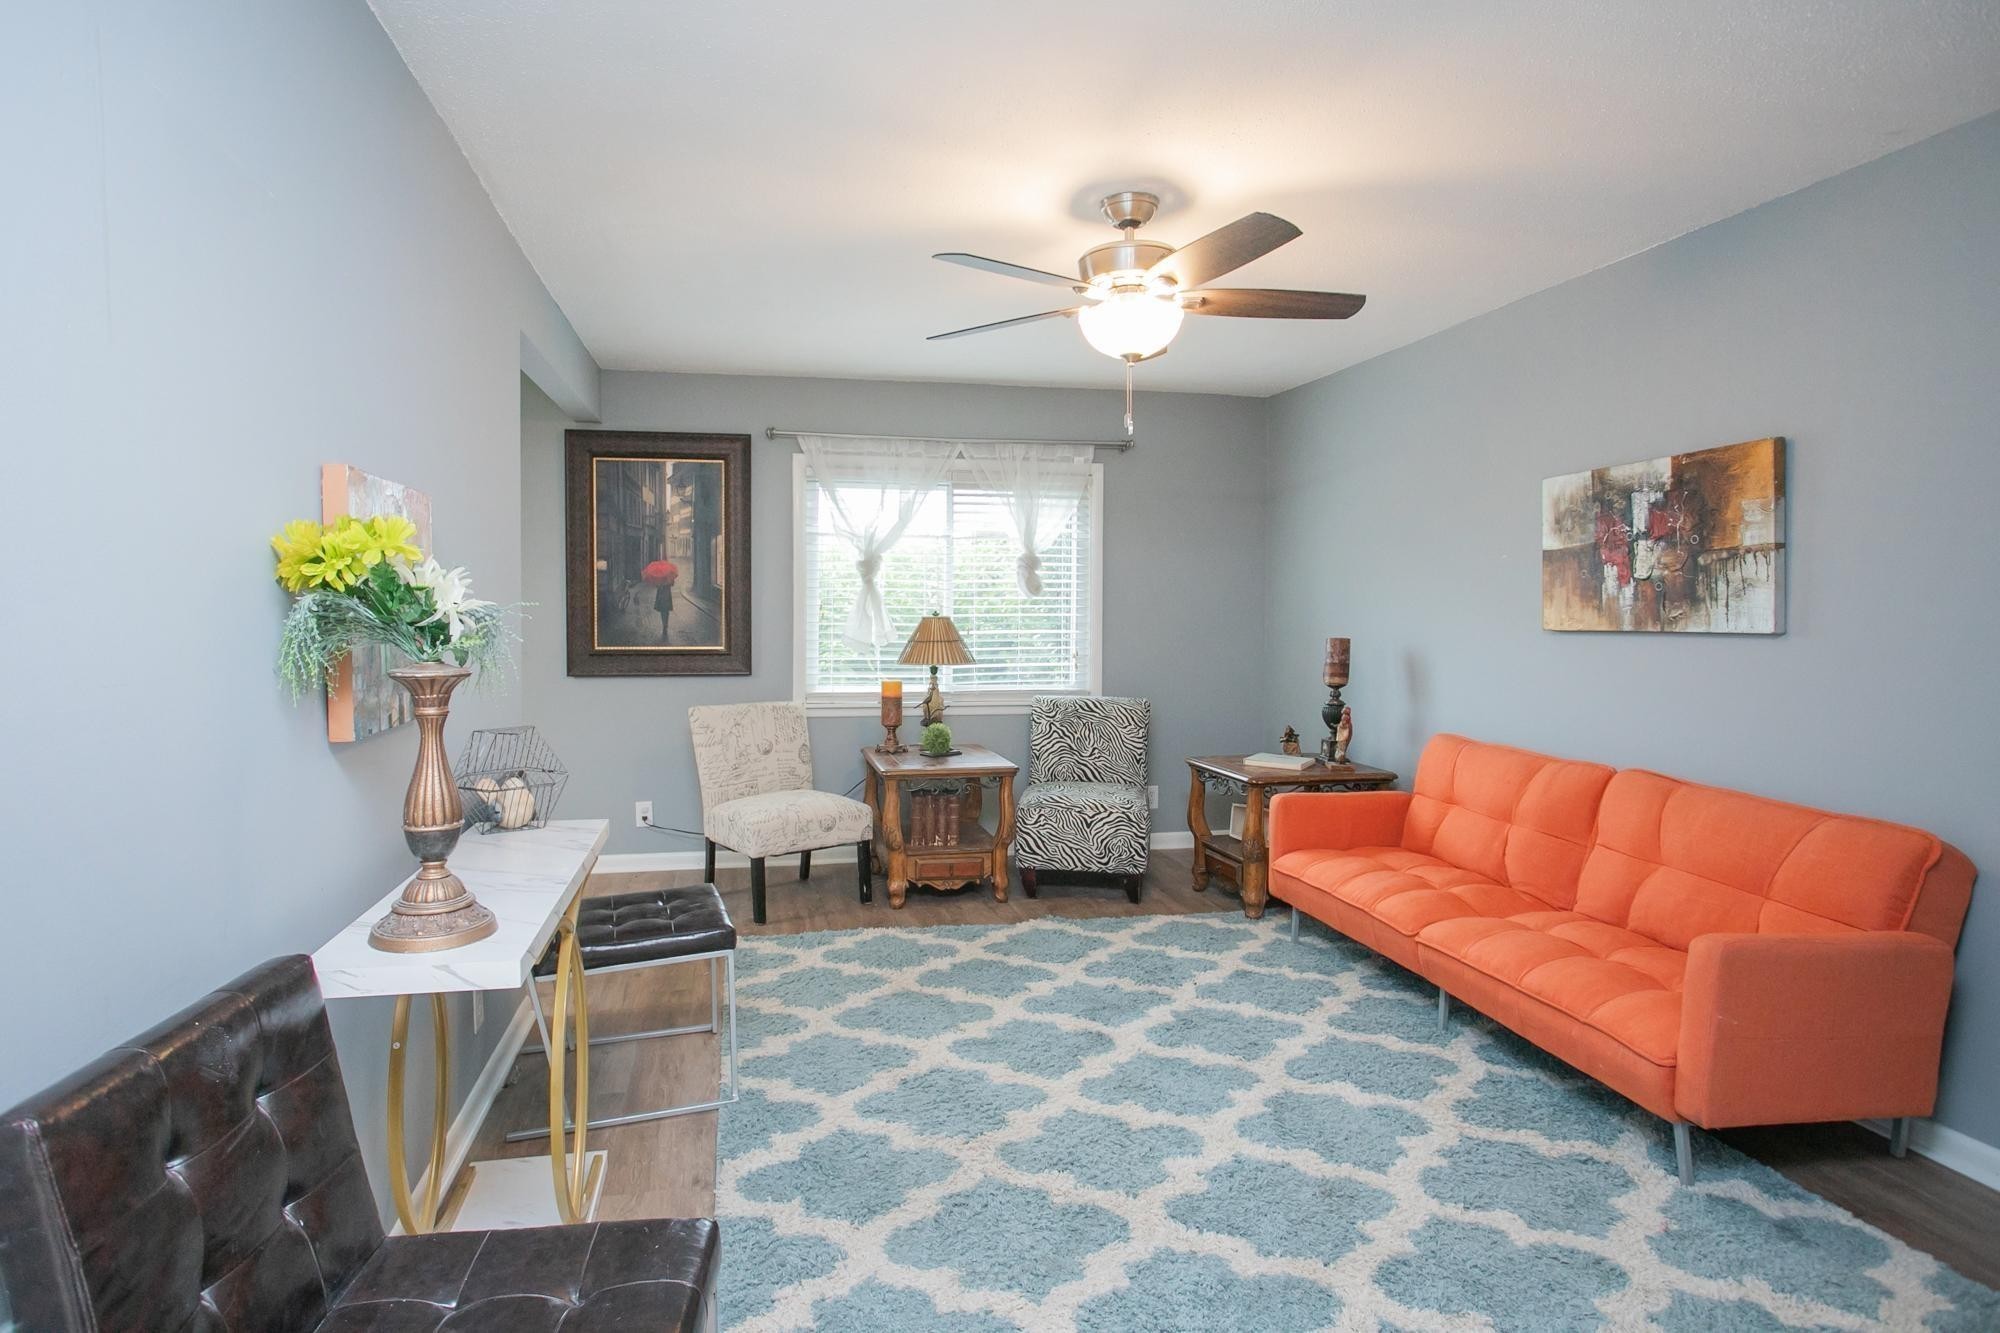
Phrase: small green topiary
pixel 936 739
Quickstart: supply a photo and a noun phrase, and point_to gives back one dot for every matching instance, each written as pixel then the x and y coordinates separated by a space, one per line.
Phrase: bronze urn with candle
pixel 892 718
pixel 1333 749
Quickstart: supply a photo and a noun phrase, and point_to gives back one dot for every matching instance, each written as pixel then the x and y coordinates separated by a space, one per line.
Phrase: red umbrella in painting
pixel 661 575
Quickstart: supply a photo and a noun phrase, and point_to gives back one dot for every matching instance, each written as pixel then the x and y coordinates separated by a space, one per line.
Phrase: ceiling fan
pixel 1137 290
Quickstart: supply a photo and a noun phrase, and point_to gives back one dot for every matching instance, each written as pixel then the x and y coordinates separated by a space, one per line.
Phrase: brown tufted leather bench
pixel 654 928
pixel 205 1177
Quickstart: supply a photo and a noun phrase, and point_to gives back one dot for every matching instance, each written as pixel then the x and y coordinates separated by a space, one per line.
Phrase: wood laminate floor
pixel 666 1168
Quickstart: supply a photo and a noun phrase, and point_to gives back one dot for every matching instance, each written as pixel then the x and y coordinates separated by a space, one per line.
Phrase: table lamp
pixel 935 643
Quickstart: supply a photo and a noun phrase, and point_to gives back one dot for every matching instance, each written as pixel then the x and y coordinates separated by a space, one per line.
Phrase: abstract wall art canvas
pixel 361 700
pixel 1693 543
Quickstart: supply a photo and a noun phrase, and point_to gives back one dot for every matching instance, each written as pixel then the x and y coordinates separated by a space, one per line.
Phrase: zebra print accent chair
pixel 1084 808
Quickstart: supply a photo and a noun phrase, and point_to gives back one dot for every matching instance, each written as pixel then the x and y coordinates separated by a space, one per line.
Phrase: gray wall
pixel 239 244
pixel 1183 620
pixel 1860 319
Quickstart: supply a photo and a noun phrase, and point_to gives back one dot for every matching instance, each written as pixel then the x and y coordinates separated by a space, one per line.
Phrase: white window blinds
pixel 960 555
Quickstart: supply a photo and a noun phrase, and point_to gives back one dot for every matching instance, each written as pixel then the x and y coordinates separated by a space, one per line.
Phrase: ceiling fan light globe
pixel 1130 325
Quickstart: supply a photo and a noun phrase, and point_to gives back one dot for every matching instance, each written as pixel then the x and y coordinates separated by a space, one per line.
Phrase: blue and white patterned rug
pixel 1151 1123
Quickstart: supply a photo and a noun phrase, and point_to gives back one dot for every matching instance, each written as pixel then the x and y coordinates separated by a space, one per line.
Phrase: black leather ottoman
pixel 654 928
pixel 205 1176
pixel 649 926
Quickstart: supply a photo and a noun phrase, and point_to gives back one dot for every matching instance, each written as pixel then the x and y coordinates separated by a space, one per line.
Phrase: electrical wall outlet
pixel 642 813
pixel 1152 798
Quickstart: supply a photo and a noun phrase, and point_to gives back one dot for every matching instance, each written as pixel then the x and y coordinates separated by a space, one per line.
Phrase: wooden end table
pixel 973 855
pixel 1244 861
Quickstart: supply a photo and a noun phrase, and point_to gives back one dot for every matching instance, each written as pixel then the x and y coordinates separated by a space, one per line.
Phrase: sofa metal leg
pixel 1444 1010
pixel 867 878
pixel 1295 923
pixel 757 889
pixel 708 861
pixel 1899 1136
pixel 1684 1150
pixel 805 865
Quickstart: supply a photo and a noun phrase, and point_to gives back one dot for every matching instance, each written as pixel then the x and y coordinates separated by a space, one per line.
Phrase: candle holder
pixel 1338 654
pixel 892 718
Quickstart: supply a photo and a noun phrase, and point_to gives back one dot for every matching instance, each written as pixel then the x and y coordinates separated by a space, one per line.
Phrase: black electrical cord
pixel 691 833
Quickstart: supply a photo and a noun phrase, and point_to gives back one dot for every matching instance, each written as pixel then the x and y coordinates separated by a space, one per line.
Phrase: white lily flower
pixel 450 589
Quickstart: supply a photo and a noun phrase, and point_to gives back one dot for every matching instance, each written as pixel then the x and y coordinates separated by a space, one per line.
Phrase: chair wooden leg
pixel 1133 883
pixel 1028 885
pixel 861 860
pixel 708 861
pixel 757 889
pixel 805 865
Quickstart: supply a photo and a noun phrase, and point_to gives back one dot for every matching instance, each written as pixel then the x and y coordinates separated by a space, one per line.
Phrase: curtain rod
pixel 773 433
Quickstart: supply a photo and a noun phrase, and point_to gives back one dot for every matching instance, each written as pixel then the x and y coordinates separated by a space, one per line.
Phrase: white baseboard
pixel 1970 1157
pixel 479 1099
pixel 629 863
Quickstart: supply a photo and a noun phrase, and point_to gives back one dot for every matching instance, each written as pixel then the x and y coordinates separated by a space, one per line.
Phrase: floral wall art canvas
pixel 1691 543
pixel 361 700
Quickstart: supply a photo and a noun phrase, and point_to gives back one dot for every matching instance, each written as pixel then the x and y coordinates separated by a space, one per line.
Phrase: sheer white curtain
pixel 872 488
pixel 1044 484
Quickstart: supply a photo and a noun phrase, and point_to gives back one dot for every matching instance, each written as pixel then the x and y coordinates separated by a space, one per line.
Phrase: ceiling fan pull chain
pixel 1128 398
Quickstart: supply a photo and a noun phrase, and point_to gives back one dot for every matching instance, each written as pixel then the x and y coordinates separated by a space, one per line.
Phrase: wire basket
pixel 509 779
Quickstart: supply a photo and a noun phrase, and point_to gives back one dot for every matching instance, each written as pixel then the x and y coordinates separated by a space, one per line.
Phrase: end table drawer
pixel 954 867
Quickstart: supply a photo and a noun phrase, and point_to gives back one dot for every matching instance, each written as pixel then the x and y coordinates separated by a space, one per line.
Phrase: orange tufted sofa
pixel 1719 958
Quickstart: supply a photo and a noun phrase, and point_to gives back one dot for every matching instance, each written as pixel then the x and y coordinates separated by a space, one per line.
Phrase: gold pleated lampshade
pixel 935 643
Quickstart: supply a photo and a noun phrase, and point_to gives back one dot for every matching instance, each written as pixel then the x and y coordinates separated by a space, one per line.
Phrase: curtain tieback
pixel 1028 568
pixel 868 566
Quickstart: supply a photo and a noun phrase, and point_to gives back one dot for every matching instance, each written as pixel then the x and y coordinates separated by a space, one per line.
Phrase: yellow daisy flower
pixel 295 545
pixel 388 536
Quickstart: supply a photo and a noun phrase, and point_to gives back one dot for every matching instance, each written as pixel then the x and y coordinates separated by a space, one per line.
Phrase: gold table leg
pixel 568 1160
pixel 575 1176
pixel 415 1219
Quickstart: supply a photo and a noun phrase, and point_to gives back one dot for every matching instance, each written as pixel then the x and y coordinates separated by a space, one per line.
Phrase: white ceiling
pixel 758 187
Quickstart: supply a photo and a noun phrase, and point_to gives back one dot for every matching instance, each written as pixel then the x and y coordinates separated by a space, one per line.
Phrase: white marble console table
pixel 533 880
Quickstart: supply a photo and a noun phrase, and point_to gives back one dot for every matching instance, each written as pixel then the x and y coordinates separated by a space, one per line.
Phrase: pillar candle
pixel 1336 661
pixel 892 689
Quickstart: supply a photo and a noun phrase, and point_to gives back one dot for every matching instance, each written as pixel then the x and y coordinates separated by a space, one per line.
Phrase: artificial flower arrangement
pixel 363 580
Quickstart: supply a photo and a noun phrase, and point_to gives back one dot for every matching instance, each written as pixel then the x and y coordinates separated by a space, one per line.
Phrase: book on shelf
pixel 1293 763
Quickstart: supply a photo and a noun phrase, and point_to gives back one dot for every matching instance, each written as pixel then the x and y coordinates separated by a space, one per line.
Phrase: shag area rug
pixel 1153 1123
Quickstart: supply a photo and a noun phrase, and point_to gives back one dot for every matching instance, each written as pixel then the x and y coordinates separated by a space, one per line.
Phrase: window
pixel 957 556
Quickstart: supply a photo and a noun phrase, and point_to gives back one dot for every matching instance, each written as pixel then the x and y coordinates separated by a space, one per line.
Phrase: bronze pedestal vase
pixel 436 910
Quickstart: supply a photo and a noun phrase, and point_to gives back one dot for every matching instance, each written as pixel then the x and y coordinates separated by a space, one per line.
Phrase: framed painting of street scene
pixel 658 553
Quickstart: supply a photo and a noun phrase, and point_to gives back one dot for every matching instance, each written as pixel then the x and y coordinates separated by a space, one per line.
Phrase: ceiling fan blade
pixel 1007 270
pixel 1270 303
pixel 1225 249
pixel 1003 324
